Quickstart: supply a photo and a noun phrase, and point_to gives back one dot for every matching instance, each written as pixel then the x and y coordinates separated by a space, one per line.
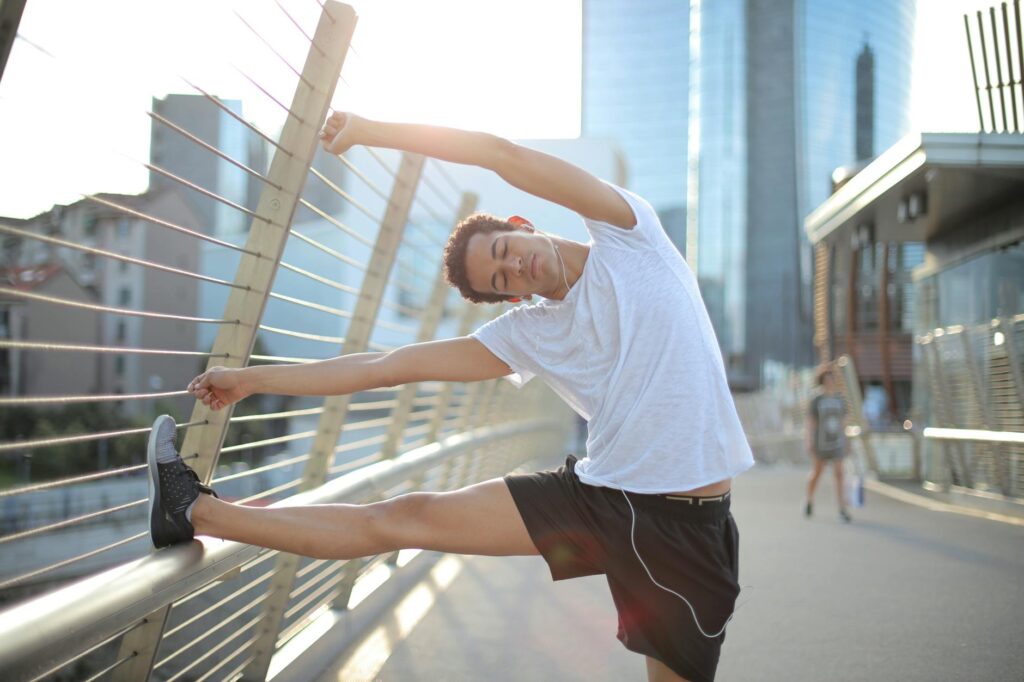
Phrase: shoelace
pixel 190 472
pixel 199 484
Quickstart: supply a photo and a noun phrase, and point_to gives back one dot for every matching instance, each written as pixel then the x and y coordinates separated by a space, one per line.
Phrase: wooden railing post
pixel 332 419
pixel 267 236
pixel 429 321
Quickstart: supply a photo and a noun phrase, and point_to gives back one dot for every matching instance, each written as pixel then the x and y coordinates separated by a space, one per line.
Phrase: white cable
pixel 560 261
pixel 632 539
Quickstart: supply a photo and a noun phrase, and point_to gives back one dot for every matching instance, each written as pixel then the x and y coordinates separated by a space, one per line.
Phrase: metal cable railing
pixel 975 415
pixel 113 303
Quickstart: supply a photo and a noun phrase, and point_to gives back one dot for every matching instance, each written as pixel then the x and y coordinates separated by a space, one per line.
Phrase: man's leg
pixel 479 519
pixel 659 672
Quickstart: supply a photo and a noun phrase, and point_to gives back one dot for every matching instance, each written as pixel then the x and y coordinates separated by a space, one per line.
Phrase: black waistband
pixel 681 506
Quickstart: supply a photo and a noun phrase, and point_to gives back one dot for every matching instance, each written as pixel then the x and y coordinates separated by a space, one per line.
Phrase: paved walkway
pixel 904 592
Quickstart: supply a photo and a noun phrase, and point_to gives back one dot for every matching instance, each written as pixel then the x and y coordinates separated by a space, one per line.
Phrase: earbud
pixel 518 220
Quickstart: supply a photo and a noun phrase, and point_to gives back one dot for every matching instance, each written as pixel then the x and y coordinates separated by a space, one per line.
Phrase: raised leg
pixel 478 519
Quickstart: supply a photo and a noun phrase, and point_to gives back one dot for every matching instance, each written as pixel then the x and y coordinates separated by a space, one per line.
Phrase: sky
pixel 82 74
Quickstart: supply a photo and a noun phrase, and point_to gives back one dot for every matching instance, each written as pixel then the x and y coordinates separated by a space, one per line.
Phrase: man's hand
pixel 338 134
pixel 219 387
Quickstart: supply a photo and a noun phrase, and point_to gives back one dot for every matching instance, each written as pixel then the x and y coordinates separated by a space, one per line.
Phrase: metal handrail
pixel 40 633
pixel 975 435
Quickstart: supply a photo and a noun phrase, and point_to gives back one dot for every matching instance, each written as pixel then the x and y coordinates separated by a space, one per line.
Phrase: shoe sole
pixel 154 480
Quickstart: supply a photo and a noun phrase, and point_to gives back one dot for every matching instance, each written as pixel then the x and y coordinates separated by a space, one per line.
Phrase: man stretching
pixel 620 333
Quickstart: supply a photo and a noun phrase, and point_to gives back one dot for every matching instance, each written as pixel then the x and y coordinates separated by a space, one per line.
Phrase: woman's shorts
pixel 689 546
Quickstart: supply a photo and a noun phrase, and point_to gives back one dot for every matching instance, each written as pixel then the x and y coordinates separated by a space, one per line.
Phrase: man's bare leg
pixel 659 672
pixel 479 519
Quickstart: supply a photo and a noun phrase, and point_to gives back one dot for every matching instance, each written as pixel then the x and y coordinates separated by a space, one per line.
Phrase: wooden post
pixel 852 383
pixel 267 237
pixel 428 329
pixel 470 314
pixel 336 407
pixel 822 302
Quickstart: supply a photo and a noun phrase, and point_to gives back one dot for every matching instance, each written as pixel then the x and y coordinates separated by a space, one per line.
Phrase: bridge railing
pixel 975 394
pixel 113 303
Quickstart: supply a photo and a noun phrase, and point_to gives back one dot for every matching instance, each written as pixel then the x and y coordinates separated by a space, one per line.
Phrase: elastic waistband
pixel 682 506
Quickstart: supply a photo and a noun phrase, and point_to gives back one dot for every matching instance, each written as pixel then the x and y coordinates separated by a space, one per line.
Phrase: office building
pixel 635 94
pixel 782 93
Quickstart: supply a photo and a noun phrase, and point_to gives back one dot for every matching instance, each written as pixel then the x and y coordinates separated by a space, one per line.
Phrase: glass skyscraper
pixel 772 113
pixel 635 73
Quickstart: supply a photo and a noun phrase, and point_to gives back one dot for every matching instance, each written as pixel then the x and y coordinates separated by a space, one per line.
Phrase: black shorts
pixel 689 547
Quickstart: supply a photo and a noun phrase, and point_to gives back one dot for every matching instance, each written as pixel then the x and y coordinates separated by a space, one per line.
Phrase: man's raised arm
pixel 461 359
pixel 534 172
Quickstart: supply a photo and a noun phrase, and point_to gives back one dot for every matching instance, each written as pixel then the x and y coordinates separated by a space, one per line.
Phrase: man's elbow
pixel 395 368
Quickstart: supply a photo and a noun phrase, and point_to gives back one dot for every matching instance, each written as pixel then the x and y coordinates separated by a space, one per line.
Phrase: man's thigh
pixel 478 519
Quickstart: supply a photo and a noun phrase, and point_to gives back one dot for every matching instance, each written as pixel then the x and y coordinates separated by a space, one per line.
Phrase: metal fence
pixel 129 296
pixel 976 388
pixel 996 51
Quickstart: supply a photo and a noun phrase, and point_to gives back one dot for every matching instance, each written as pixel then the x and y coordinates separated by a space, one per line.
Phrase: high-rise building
pixel 635 93
pixel 783 92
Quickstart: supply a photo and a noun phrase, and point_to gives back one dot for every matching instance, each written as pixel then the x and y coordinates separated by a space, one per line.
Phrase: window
pixel 119 366
pixel 89 223
pixel 122 331
pixel 125 297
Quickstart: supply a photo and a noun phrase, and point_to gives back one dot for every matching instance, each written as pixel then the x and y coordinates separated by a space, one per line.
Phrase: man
pixel 825 439
pixel 620 334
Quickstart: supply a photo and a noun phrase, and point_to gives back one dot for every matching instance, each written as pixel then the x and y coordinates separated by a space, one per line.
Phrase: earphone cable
pixel 632 539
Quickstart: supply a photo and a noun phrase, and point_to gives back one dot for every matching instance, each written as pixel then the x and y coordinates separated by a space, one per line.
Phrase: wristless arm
pixel 532 171
pixel 337 376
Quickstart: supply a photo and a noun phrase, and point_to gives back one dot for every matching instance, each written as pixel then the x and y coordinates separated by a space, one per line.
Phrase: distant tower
pixel 865 135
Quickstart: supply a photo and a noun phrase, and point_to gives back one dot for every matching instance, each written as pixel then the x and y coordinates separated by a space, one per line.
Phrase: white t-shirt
pixel 631 349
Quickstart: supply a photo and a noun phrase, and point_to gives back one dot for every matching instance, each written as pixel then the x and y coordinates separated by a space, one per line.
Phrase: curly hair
pixel 455 254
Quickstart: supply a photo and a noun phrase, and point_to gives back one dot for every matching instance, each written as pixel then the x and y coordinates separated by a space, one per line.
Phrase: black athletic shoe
pixel 808 510
pixel 845 516
pixel 173 486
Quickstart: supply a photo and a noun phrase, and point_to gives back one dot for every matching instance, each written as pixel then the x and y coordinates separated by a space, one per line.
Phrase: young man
pixel 825 439
pixel 620 334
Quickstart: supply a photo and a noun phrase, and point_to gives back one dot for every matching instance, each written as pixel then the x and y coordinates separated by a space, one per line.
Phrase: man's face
pixel 518 263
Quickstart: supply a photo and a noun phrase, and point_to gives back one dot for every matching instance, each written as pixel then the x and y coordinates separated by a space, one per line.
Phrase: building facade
pixel 922 284
pixel 82 275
